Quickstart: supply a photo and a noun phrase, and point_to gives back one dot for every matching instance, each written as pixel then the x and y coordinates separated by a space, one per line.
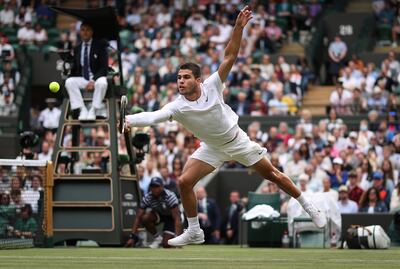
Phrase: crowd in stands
pixel 364 87
pixel 22 23
pixel 19 201
pixel 158 38
pixel 387 16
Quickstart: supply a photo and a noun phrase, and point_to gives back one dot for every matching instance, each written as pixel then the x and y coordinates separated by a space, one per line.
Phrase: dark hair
pixel 27 208
pixel 364 199
pixel 195 68
pixel 86 23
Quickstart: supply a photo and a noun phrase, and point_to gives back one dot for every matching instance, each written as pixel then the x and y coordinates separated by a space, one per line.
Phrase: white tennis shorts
pixel 241 149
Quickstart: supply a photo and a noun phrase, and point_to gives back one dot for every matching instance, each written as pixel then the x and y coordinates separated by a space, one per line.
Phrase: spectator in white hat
pixel 346 205
pixel 338 176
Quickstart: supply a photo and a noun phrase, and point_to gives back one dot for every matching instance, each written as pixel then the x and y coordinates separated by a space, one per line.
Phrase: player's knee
pixel 184 183
pixel 275 175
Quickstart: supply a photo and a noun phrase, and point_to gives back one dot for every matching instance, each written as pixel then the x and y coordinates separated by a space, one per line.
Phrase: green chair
pixel 9 31
pixel 272 199
pixel 269 231
pixel 12 39
pixel 385 34
pixel 53 33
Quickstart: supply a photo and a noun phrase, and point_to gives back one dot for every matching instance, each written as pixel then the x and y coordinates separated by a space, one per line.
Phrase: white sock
pixel 302 200
pixel 193 224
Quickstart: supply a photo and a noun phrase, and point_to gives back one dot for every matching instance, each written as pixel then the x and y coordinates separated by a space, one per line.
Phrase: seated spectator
pixel 26 34
pixel 169 183
pixel 276 106
pixel 40 35
pixel 341 100
pixel 7 15
pixel 7 105
pixel 371 202
pixel 355 192
pixel 43 11
pixel 188 43
pixel 24 14
pixel 395 199
pixel 6 50
pixel 377 101
pixel 396 28
pixel 303 183
pixel 346 206
pixel 338 176
pixel 241 106
pixel 295 167
pixel 11 72
pixel 239 75
pixel 267 68
pixel 230 224
pixel 49 117
pixel 337 52
pixel 158 43
pixel 258 107
pixel 209 217
pixel 326 187
pixel 359 104
pixel 89 72
pixel 274 34
pixel 31 196
pixel 46 153
pixel 384 191
pixel 197 23
pixel 26 226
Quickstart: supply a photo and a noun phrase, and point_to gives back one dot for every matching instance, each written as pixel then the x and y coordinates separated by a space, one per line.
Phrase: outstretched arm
pixel 232 49
pixel 144 119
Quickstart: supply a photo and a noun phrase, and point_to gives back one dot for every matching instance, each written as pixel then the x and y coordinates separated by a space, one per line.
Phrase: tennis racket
pixel 122 112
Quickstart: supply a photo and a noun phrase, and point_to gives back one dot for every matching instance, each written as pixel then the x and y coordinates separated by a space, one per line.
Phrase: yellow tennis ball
pixel 54 86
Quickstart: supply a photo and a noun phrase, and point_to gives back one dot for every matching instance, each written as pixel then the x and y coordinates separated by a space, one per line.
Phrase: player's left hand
pixel 244 16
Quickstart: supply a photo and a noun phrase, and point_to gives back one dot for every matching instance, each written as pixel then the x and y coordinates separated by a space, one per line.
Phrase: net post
pixel 49 205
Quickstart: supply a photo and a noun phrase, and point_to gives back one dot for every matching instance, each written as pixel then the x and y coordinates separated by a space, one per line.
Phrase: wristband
pixel 134 237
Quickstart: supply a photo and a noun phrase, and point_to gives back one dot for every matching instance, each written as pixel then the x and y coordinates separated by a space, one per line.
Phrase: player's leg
pixel 193 171
pixel 100 89
pixel 74 86
pixel 268 171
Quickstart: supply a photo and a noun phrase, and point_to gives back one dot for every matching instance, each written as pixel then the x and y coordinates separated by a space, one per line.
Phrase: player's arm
pixel 177 220
pixel 144 119
pixel 232 49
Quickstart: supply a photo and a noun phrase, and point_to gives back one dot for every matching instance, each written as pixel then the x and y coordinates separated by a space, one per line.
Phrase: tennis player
pixel 201 109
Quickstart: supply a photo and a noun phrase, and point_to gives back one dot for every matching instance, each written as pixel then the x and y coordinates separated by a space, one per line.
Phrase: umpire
pixel 159 205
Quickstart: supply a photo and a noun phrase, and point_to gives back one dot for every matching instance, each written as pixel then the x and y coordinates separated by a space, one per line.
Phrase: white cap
pixel 338 160
pixel 304 177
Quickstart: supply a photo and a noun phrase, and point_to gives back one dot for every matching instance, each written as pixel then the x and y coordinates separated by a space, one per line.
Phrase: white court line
pixel 189 259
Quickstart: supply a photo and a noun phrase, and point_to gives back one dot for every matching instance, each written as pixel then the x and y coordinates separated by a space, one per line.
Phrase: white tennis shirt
pixel 208 118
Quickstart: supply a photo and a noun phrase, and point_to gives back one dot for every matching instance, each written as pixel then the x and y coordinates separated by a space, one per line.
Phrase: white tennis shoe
pixel 318 217
pixel 156 242
pixel 186 238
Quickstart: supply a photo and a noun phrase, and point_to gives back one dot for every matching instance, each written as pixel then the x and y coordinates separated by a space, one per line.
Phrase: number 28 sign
pixel 346 30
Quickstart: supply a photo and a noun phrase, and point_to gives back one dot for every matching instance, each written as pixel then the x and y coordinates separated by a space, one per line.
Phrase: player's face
pixel 187 83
